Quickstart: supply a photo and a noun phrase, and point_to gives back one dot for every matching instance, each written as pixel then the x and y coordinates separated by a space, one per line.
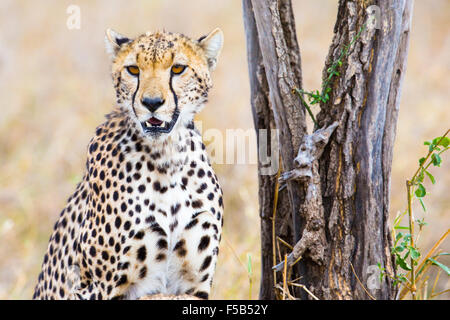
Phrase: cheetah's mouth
pixel 154 125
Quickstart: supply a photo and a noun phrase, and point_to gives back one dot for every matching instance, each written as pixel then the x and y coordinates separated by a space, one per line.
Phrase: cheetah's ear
pixel 212 45
pixel 113 41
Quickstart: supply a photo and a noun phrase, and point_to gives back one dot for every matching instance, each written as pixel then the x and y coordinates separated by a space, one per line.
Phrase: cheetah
pixel 147 216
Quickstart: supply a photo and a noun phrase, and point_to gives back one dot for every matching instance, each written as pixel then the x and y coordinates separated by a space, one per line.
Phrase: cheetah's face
pixel 162 78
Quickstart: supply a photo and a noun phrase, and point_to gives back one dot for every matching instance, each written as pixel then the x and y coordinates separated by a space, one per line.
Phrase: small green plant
pixel 410 273
pixel 407 254
pixel 250 275
pixel 317 96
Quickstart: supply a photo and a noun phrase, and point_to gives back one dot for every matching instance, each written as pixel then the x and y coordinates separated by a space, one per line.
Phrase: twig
pixel 439 293
pixel 279 252
pixel 409 185
pixel 298 259
pixel 403 292
pixel 284 275
pixel 274 214
pixel 285 243
pixel 338 62
pixel 291 297
pixel 425 291
pixel 234 252
pixel 409 188
pixel 296 279
pixel 359 281
pixel 435 282
pixel 305 104
pixel 396 222
pixel 411 231
pixel 428 156
pixel 304 288
pixel 424 286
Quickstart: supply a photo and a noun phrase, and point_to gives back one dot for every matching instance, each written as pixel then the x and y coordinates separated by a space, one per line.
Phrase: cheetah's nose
pixel 152 104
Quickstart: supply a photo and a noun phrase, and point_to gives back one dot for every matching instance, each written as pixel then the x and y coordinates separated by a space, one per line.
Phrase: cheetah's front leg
pixel 196 250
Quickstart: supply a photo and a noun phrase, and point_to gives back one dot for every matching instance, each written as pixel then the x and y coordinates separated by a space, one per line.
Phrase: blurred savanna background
pixel 55 88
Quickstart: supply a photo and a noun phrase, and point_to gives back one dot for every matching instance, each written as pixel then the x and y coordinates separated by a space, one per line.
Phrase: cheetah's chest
pixel 170 204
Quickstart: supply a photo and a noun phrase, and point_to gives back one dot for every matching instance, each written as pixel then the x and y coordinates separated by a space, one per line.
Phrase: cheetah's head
pixel 162 79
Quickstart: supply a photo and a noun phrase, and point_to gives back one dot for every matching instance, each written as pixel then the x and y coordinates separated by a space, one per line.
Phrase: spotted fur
pixel 147 216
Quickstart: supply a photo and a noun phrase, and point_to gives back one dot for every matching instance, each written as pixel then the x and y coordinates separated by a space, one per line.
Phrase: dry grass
pixel 55 88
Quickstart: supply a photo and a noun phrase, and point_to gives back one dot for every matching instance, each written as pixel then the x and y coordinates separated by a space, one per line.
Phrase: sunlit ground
pixel 55 89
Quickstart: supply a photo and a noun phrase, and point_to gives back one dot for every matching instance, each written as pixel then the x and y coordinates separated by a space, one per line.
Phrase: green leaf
pixel 436 159
pixel 397 219
pixel 433 181
pixel 249 264
pixel 420 191
pixel 431 260
pixel 422 204
pixel 407 253
pixel 441 254
pixel 444 142
pixel 399 248
pixel 403 264
pixel 407 237
pixel 415 254
pixel 403 228
pixel 421 222
pixel 421 161
pixel 440 265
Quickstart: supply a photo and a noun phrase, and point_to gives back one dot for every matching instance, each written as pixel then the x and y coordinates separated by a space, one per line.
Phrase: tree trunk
pixel 356 163
pixel 269 112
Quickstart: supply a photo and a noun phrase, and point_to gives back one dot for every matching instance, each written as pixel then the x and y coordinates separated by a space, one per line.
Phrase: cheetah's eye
pixel 133 70
pixel 178 69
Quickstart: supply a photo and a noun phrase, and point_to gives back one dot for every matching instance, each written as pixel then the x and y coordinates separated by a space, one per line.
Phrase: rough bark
pixel 288 114
pixel 268 99
pixel 312 243
pixel 264 120
pixel 355 166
